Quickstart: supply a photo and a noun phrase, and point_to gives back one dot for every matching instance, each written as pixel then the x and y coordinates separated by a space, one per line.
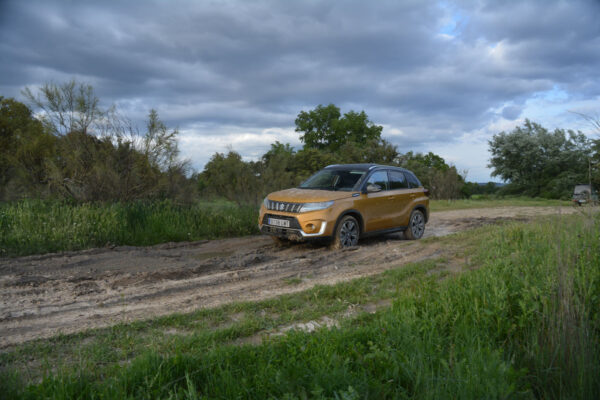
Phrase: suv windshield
pixel 333 179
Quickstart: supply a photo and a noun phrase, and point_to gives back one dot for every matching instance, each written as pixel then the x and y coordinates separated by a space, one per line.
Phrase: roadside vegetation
pixel 45 226
pixel 519 320
pixel 48 226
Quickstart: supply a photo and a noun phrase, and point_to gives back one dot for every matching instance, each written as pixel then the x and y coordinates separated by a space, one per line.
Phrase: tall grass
pixel 525 323
pixel 36 226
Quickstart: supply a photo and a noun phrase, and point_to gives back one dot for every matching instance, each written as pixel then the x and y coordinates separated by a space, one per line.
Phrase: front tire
pixel 347 233
pixel 416 226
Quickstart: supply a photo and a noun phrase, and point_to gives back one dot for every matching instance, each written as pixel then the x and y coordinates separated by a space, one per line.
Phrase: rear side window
pixel 379 178
pixel 412 180
pixel 397 180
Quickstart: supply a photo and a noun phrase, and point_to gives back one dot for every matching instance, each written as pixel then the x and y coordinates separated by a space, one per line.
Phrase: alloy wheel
pixel 349 233
pixel 417 225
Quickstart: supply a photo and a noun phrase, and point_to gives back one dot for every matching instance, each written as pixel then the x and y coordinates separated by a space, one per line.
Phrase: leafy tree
pixel 378 151
pixel 537 162
pixel 24 147
pixel 278 168
pixel 228 176
pixel 309 160
pixel 160 145
pixel 325 129
pixel 443 181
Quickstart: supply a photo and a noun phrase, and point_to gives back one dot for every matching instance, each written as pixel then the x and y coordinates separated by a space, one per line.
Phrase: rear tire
pixel 416 226
pixel 346 233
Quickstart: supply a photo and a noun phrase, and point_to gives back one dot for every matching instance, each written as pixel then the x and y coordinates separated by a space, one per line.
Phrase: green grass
pixel 522 322
pixel 487 202
pixel 36 226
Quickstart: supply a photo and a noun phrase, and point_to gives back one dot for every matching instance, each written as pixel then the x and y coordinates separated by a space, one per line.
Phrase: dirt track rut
pixel 41 296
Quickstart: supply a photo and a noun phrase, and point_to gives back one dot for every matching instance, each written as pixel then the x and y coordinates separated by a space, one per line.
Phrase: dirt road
pixel 41 296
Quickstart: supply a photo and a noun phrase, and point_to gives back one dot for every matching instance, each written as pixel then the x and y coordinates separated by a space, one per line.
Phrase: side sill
pixel 384 231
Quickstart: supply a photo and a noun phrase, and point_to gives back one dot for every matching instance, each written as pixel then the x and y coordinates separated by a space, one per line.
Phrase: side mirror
pixel 373 188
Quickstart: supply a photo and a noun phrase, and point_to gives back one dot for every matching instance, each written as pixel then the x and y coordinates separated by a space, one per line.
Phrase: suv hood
pixel 308 195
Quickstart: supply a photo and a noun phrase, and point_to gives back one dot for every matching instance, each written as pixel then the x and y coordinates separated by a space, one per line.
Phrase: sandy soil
pixel 41 296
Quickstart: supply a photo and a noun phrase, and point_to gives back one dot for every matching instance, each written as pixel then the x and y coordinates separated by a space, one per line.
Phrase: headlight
pixel 315 206
pixel 266 202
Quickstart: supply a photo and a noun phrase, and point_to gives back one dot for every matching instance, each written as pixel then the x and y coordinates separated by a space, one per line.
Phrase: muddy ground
pixel 41 296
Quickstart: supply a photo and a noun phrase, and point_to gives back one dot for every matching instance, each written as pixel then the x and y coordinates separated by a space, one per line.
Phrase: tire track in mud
pixel 43 295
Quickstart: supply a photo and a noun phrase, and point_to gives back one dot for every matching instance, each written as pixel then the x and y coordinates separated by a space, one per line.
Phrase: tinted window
pixel 397 180
pixel 412 180
pixel 379 178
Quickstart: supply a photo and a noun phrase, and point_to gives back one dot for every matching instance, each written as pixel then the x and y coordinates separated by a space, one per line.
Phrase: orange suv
pixel 347 202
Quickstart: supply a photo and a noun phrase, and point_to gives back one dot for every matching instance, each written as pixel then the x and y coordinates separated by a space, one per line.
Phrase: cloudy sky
pixel 439 76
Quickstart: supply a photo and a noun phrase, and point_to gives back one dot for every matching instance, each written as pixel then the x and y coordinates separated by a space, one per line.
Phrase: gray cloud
pixel 511 112
pixel 429 72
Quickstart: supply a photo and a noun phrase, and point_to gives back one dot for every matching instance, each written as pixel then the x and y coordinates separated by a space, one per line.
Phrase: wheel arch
pixel 354 213
pixel 423 209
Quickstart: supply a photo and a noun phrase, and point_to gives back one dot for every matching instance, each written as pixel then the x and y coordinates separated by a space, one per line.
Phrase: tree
pixel 278 168
pixel 24 147
pixel 378 151
pixel 443 180
pixel 594 161
pixel 69 107
pixel 160 145
pixel 537 162
pixel 323 128
pixel 228 176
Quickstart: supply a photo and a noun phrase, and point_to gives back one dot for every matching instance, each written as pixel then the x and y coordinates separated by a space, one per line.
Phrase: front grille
pixel 283 206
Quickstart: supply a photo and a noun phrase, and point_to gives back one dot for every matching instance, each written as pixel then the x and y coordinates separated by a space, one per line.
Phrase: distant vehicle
pixel 583 194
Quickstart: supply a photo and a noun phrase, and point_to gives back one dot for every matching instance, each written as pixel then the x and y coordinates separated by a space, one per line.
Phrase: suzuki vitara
pixel 347 202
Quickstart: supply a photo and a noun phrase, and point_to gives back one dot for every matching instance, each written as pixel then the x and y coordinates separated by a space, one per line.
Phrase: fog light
pixel 312 227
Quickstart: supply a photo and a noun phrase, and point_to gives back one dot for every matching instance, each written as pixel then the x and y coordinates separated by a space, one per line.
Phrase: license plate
pixel 279 222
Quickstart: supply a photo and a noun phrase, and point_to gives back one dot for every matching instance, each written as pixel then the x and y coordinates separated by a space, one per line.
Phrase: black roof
pixel 363 167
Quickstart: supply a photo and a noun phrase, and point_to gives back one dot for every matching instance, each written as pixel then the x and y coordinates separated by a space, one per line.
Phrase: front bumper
pixel 289 233
pixel 312 228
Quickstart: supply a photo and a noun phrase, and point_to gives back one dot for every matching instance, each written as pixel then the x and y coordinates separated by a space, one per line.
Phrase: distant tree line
pixel 71 148
pixel 329 138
